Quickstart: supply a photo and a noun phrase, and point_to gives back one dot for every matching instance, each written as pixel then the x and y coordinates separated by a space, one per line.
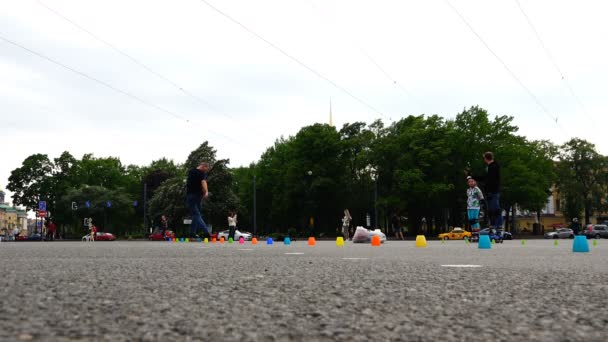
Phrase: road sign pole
pixel 145 205
pixel 255 214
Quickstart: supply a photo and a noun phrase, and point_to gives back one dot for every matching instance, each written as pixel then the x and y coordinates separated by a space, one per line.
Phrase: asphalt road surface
pixel 160 291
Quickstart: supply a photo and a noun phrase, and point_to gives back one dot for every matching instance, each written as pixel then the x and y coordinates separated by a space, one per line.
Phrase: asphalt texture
pixel 160 291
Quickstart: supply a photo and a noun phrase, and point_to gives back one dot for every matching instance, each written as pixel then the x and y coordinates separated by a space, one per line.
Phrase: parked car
pixel 237 235
pixel 596 231
pixel 35 237
pixel 455 234
pixel 486 231
pixel 158 236
pixel 101 236
pixel 561 233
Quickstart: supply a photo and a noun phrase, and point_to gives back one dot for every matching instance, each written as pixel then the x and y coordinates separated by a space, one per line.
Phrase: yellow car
pixel 455 234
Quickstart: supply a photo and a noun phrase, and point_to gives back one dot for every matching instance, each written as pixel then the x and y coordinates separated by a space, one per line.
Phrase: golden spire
pixel 331 118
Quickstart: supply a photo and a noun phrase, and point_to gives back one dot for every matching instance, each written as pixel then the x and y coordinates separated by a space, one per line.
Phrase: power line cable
pixel 109 86
pixel 393 81
pixel 286 54
pixel 134 60
pixel 550 57
pixel 545 110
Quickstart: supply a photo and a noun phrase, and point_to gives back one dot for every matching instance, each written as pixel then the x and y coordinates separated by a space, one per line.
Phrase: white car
pixel 237 235
pixel 363 235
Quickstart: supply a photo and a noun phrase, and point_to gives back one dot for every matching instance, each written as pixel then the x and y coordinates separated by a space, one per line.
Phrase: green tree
pixel 32 182
pixel 582 178
pixel 117 219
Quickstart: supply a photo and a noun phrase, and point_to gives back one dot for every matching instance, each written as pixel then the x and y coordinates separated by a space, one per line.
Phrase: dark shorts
pixel 398 229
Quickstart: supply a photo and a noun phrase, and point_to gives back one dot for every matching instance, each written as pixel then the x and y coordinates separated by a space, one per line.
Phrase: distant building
pixel 11 217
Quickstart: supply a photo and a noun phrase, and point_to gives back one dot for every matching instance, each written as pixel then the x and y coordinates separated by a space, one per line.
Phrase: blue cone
pixel 580 245
pixel 269 241
pixel 484 242
pixel 287 241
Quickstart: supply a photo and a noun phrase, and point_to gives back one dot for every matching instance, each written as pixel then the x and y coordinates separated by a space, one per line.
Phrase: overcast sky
pixel 257 94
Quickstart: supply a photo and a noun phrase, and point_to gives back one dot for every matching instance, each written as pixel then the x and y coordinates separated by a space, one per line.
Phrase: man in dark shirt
pixel 196 190
pixel 492 188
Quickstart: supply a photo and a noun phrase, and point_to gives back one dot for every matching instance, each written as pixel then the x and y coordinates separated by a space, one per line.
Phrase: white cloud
pixel 423 45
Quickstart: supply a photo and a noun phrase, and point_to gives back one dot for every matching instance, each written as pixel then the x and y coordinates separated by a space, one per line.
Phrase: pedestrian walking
pixel 575 226
pixel 397 228
pixel 93 230
pixel 231 225
pixel 164 225
pixel 51 229
pixel 196 191
pixel 491 183
pixel 474 198
pixel 346 224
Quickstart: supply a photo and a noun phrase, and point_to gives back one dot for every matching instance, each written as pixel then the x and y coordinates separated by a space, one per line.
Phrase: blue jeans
pixel 194 202
pixel 473 214
pixel 494 210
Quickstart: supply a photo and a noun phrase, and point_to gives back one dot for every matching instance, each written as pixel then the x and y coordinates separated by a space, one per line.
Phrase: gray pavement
pixel 159 291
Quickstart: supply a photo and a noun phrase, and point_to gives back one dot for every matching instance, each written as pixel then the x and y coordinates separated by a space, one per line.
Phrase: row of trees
pixel 416 164
pixel 113 194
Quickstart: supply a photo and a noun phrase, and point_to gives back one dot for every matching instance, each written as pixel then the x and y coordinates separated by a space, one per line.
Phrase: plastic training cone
pixel 340 241
pixel 222 239
pixel 493 241
pixel 376 242
pixel 230 240
pixel 443 241
pixel 312 241
pixel 595 242
pixel 420 241
pixel 254 241
pixel 213 240
pixel 187 240
pixel 287 241
pixel 269 241
pixel 206 240
pixel 484 242
pixel 523 242
pixel 555 242
pixel 580 245
pixel 241 240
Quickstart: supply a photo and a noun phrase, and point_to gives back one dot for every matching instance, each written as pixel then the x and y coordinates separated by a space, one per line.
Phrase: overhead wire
pixel 364 52
pixel 109 86
pixel 134 60
pixel 513 75
pixel 294 59
pixel 553 62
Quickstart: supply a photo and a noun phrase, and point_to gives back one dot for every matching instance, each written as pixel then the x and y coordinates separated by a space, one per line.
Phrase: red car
pixel 101 236
pixel 158 236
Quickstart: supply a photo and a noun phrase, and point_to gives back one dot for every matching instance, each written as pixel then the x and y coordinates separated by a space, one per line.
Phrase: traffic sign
pixel 74 206
pixel 87 204
pixel 42 205
pixel 108 204
pixel 41 213
pixel 87 221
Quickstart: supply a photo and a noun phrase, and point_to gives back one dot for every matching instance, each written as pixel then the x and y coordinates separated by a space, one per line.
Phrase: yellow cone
pixel 420 241
pixel 206 240
pixel 340 241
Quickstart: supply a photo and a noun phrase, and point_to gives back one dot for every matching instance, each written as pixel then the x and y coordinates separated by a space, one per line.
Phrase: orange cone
pixel 222 239
pixel 312 241
pixel 254 241
pixel 376 241
pixel 213 240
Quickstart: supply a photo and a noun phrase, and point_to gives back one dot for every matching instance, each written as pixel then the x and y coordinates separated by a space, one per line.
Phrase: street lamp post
pixel 309 210
pixel 374 175
pixel 255 214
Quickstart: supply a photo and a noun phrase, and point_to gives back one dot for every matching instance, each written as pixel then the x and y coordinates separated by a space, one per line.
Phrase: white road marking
pixel 355 258
pixel 462 266
pixel 296 253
